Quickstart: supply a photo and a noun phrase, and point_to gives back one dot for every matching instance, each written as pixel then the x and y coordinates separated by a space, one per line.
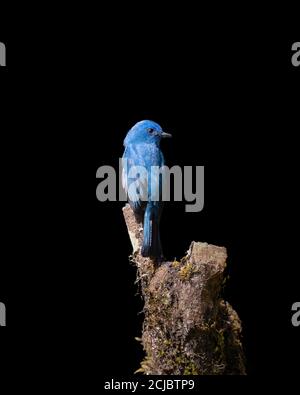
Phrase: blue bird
pixel 143 187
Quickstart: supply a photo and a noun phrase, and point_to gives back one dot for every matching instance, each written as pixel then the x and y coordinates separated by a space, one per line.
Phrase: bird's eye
pixel 150 130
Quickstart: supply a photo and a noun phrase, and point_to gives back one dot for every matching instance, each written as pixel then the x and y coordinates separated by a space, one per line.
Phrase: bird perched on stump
pixel 143 183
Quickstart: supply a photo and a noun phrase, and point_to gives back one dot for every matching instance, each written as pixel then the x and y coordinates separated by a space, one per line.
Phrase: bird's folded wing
pixel 134 176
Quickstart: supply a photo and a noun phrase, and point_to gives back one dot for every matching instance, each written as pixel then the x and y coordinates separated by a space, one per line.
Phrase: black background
pixel 230 103
pixel 3 92
pixel 228 94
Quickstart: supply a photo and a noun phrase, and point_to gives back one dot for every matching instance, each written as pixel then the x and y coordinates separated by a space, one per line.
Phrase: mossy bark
pixel 188 328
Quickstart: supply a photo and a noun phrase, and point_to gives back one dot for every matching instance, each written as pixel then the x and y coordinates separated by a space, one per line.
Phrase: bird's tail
pixel 151 243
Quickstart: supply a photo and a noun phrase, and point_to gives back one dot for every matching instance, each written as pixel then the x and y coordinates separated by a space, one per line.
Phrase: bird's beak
pixel 165 135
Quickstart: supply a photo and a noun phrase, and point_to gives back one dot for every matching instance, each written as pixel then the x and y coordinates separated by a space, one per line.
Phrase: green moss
pixel 186 271
pixel 190 369
pixel 176 264
pixel 145 366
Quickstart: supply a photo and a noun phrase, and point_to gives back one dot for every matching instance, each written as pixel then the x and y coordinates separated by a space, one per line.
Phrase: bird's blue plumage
pixel 143 186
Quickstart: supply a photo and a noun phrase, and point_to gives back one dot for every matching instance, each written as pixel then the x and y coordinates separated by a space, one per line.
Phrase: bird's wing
pixel 156 175
pixel 136 187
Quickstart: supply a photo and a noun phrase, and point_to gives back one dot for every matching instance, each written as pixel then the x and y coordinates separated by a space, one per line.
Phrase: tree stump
pixel 188 328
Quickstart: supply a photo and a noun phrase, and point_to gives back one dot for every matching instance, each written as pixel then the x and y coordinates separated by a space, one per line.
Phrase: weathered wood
pixel 188 328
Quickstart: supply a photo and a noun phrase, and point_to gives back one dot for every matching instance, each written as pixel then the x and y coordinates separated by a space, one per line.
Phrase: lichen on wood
pixel 188 328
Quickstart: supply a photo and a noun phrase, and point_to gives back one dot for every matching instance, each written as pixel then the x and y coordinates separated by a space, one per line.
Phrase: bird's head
pixel 145 132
